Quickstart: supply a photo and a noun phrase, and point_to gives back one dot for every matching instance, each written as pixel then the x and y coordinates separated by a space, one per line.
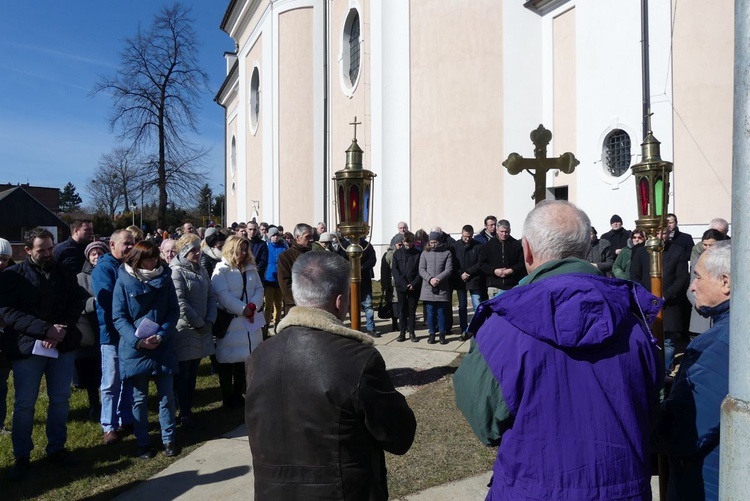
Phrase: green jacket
pixel 621 268
pixel 478 394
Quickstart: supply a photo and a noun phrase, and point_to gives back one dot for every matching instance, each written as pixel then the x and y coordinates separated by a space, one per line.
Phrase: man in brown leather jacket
pixel 320 406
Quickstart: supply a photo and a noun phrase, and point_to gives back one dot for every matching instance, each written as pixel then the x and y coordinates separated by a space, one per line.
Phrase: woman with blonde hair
pixel 197 315
pixel 239 292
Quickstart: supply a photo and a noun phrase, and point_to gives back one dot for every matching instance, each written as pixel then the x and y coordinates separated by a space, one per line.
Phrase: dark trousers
pixel 232 382
pixel 184 386
pixel 408 304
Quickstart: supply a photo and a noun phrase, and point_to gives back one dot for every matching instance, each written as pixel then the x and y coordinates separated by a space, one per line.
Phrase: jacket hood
pixel 575 311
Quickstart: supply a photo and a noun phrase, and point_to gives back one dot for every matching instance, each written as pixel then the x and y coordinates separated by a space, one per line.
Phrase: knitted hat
pixel 210 231
pixel 615 219
pixel 273 231
pixel 94 245
pixel 397 239
pixel 435 235
pixel 5 248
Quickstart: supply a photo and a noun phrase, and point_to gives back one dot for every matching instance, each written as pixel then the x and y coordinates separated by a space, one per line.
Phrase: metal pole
pixel 734 481
pixel 141 203
pixel 646 80
pixel 355 252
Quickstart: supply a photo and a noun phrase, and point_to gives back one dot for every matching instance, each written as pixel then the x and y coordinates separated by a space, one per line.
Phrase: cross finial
pixel 355 123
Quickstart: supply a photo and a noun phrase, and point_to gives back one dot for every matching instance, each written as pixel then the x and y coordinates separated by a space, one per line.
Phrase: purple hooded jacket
pixel 579 374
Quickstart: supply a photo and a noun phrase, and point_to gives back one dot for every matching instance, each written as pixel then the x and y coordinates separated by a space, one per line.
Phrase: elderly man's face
pixel 188 228
pixel 322 228
pixel 168 251
pixel 305 239
pixel 403 227
pixel 709 291
pixel 503 233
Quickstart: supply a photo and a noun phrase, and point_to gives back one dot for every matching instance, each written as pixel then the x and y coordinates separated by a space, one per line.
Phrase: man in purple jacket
pixel 564 373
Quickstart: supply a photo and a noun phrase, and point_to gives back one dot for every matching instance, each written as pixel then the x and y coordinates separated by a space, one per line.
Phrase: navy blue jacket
pixel 132 301
pixel 103 280
pixel 32 300
pixel 71 254
pixel 689 427
pixel 259 248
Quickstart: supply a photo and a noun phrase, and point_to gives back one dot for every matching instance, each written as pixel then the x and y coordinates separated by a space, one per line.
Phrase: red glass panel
pixel 354 216
pixel 342 205
pixel 644 197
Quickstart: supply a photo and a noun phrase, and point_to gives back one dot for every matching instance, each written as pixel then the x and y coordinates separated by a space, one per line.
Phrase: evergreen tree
pixel 70 200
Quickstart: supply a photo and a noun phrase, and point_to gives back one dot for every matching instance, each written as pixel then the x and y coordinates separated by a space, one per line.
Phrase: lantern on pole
pixel 354 215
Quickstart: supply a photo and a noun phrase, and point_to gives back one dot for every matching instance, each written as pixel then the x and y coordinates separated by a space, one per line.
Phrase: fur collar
pixel 315 318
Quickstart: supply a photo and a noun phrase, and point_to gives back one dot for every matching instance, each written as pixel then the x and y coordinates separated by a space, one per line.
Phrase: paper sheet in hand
pixel 259 322
pixel 40 350
pixel 146 328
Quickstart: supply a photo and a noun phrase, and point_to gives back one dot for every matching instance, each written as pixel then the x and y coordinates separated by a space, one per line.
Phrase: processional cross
pixel 540 163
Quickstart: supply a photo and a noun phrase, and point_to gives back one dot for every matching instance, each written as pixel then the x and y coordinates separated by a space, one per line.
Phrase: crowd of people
pixel 112 314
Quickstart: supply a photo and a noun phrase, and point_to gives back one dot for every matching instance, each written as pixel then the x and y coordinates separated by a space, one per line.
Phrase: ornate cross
pixel 540 163
pixel 355 123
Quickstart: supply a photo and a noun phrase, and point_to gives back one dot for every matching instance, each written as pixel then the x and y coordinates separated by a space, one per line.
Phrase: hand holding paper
pixel 146 329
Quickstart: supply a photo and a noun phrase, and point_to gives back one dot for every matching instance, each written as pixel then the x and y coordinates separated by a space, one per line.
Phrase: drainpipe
pixel 326 132
pixel 735 410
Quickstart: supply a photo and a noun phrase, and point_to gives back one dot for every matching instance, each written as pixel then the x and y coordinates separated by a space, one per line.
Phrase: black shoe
pixel 61 457
pixel 19 470
pixel 373 333
pixel 145 452
pixel 413 337
pixel 401 337
pixel 442 338
pixel 125 430
pixel 431 339
pixel 171 450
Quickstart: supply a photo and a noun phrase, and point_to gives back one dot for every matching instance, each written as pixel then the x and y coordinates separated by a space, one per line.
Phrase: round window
pixel 616 152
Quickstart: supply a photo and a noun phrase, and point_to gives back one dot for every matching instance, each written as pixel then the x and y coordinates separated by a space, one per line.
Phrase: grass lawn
pixel 445 449
pixel 103 472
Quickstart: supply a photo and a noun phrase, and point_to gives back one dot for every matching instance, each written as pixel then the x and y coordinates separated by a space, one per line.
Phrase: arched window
pixel 616 152
pixel 254 100
pixel 350 51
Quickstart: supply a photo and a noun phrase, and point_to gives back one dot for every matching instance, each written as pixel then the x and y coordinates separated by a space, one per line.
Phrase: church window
pixel 617 152
pixel 350 55
pixel 254 100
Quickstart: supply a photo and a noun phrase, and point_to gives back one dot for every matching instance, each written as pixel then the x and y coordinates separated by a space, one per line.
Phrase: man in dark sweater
pixel 303 239
pixel 70 252
pixel 501 260
pixel 618 236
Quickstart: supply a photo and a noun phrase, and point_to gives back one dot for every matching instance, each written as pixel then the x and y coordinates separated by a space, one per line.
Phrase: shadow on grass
pixel 94 466
pixel 407 376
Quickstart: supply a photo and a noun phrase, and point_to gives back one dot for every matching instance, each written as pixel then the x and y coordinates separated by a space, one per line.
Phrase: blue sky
pixel 52 54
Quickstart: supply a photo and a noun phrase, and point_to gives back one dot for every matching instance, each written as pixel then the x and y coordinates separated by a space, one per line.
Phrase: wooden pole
pixel 354 251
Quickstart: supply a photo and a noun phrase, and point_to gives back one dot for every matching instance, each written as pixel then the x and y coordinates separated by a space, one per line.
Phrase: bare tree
pixel 156 92
pixel 117 181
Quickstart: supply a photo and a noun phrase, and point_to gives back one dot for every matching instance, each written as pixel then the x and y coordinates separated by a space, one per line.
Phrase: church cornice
pixel 543 7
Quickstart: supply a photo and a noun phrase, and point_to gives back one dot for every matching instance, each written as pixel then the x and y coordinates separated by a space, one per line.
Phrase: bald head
pixel 555 229
pixel 720 224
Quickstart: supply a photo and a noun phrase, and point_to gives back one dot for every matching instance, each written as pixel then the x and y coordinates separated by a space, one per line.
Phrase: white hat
pixel 5 248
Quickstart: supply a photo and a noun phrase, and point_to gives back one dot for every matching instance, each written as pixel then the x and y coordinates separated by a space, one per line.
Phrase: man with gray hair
pixel 320 406
pixel 303 239
pixel 689 426
pixel 564 368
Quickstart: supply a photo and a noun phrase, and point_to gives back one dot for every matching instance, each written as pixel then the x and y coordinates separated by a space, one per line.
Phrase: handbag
pixel 224 318
pixel 385 308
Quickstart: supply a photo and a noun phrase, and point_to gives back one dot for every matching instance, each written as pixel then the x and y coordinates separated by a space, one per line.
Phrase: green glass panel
pixel 659 196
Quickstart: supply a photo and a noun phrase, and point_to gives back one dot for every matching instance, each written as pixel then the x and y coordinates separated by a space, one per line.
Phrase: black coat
pixel 684 240
pixel 675 282
pixel 70 254
pixel 260 254
pixel 502 254
pixel 321 410
pixel 617 239
pixel 467 261
pixel 405 270
pixel 369 260
pixel 30 303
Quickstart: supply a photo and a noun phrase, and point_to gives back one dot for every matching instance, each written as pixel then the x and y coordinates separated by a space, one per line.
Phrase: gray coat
pixel 436 263
pixel 197 311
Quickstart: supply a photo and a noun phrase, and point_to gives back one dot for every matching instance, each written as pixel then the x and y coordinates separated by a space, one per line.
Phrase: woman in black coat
pixel 405 270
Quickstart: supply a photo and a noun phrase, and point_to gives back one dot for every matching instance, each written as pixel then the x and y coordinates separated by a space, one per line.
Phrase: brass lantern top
pixel 652 186
pixel 354 192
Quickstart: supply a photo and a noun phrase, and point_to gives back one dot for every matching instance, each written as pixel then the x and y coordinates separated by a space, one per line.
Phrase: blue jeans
pixel 184 385
pixel 27 376
pixel 369 312
pixel 117 396
pixel 436 310
pixel 165 392
pixel 462 306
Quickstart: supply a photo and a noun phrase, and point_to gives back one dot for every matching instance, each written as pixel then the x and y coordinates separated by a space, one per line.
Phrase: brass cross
pixel 355 123
pixel 540 163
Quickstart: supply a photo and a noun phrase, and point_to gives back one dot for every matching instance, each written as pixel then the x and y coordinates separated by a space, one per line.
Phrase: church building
pixel 445 91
